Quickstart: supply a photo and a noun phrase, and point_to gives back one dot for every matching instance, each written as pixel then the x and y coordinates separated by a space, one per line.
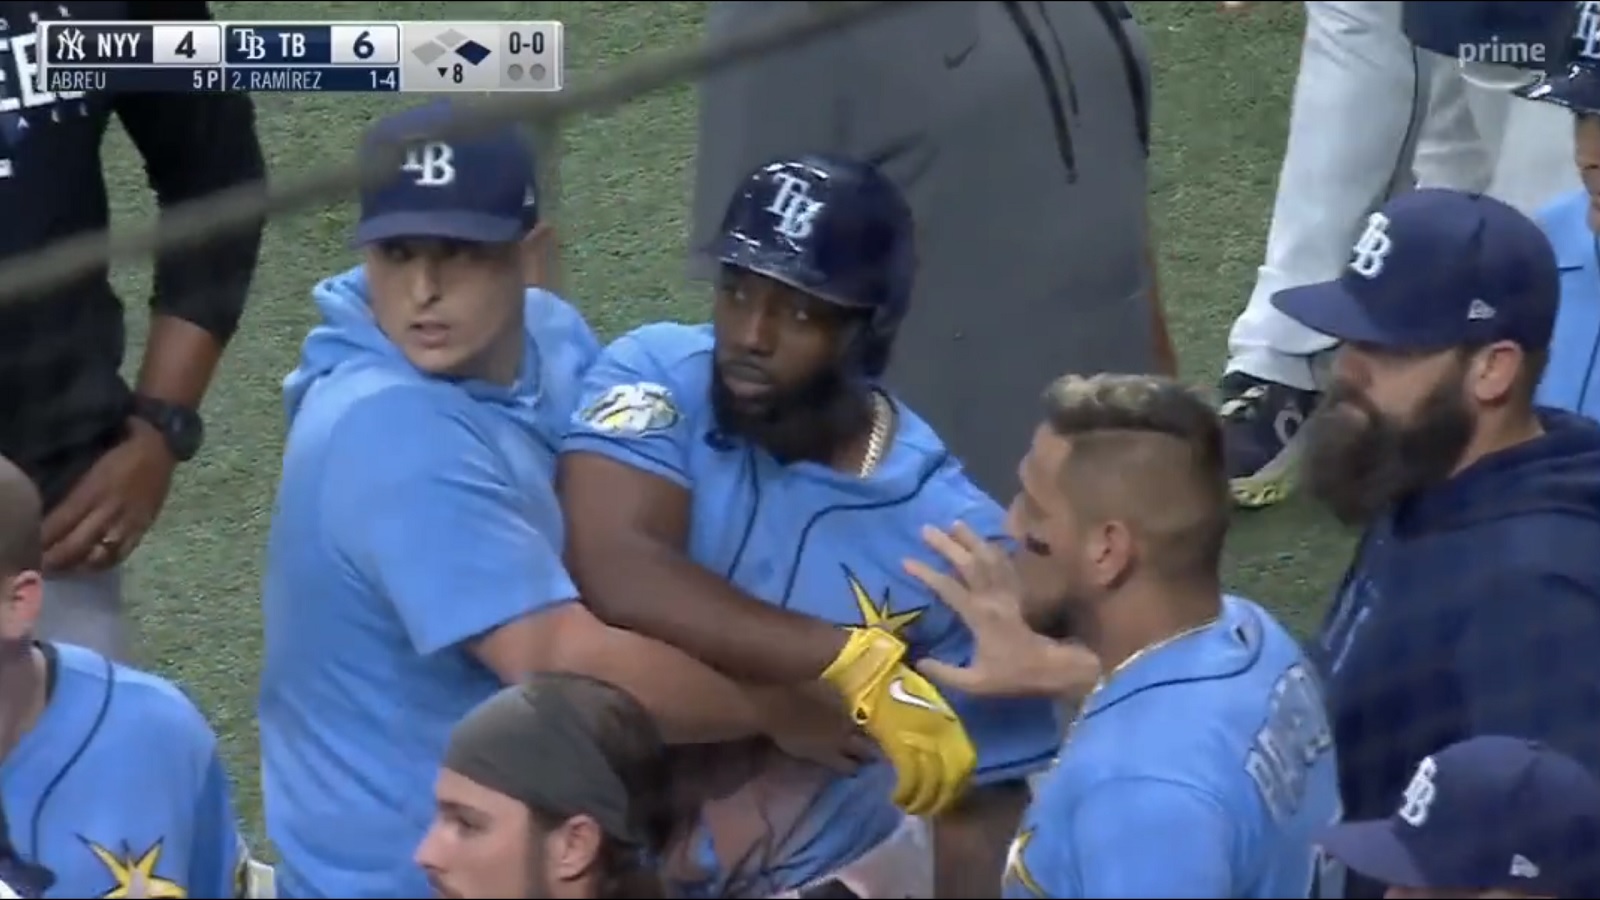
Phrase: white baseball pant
pixel 1372 115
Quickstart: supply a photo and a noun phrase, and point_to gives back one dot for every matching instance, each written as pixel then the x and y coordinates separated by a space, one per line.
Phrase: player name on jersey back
pixel 288 56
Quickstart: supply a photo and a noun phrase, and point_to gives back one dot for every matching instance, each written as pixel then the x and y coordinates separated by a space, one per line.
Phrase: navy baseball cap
pixel 1435 269
pixel 1575 81
pixel 479 189
pixel 1488 813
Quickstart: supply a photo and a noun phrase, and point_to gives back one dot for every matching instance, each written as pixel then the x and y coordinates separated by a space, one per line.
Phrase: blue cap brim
pixel 1577 89
pixel 1329 308
pixel 1373 850
pixel 781 268
pixel 473 227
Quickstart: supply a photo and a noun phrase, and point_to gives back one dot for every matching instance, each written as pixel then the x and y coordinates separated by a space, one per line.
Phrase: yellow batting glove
pixel 926 743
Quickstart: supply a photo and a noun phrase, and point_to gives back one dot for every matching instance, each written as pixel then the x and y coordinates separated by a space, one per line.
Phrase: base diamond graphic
pixel 429 52
pixel 451 38
pixel 473 52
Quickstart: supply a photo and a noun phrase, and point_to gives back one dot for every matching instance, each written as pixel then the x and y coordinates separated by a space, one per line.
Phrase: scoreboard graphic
pixel 362 57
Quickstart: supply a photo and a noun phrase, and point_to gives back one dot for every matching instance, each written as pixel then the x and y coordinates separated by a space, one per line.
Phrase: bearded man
pixel 1472 606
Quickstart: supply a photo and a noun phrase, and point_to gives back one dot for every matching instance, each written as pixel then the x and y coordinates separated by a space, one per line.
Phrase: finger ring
pixel 108 542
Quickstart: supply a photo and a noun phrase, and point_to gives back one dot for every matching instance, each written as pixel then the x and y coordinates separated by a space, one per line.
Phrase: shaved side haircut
pixel 1147 452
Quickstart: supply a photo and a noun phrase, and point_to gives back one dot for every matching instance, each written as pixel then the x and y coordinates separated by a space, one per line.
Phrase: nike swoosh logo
pixel 954 60
pixel 898 693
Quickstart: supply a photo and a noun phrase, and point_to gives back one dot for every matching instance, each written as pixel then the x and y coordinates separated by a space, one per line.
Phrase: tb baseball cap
pixel 1435 269
pixel 1488 813
pixel 1575 82
pixel 479 189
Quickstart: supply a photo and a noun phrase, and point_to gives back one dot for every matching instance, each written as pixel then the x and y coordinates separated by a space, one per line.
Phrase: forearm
pixel 663 594
pixel 691 702
pixel 180 359
pixel 195 147
pixel 971 840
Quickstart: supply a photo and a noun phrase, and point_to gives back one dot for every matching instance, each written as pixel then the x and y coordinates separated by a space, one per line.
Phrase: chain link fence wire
pixel 197 222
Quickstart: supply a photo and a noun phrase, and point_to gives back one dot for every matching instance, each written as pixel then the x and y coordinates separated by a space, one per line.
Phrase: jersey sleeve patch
pixel 632 409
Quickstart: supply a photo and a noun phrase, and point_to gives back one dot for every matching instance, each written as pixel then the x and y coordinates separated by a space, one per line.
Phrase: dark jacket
pixel 63 401
pixel 1473 608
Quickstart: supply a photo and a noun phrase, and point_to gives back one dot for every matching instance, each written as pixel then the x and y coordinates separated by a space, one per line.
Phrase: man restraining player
pixel 746 491
pixel 414 557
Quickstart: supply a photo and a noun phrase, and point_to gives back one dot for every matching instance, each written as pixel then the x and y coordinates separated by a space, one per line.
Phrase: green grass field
pixel 1221 96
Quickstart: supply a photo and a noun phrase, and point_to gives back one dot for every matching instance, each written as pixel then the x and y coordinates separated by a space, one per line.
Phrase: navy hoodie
pixel 1472 608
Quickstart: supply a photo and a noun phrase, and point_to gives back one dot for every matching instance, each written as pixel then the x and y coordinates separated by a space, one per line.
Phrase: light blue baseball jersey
pixel 809 538
pixel 1204 768
pixel 118 788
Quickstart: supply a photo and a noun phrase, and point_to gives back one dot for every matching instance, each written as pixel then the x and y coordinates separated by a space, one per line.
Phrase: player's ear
pixel 538 257
pixel 573 847
pixel 1112 552
pixel 20 599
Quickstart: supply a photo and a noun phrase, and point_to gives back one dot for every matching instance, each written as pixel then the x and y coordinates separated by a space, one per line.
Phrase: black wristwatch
pixel 181 428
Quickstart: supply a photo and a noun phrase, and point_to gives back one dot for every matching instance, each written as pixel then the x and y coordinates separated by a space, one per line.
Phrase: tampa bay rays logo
pixel 1586 37
pixel 879 614
pixel 1372 249
pixel 431 165
pixel 1420 794
pixel 134 874
pixel 794 207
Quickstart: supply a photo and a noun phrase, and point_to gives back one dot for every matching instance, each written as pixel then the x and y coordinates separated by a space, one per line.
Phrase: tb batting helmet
pixel 834 228
pixel 1572 78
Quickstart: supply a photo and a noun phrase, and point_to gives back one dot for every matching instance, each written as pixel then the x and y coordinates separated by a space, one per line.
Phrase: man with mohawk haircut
pixel 1201 763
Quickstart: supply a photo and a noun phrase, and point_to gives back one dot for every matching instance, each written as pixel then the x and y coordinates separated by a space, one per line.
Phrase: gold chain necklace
pixel 1133 657
pixel 882 419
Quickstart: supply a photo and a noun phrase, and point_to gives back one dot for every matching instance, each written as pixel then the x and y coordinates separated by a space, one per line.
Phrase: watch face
pixel 185 439
pixel 180 428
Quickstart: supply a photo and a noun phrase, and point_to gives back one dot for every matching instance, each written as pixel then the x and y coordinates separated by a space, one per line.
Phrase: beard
pixel 1052 603
pixel 1072 614
pixel 808 422
pixel 1360 461
pixel 1056 621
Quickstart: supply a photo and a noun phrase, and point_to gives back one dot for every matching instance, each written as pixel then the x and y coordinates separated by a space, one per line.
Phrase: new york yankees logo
pixel 796 211
pixel 433 164
pixel 1586 37
pixel 1372 248
pixel 1420 794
